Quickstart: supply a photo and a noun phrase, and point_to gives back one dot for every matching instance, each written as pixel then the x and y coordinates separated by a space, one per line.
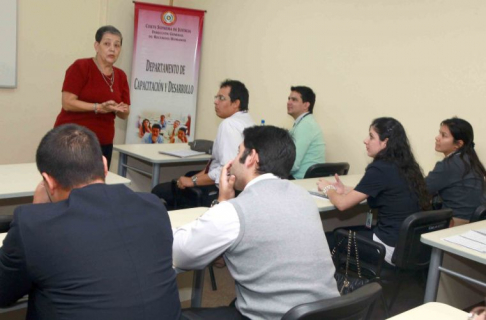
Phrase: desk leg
pixel 122 162
pixel 155 174
pixel 197 288
pixel 434 275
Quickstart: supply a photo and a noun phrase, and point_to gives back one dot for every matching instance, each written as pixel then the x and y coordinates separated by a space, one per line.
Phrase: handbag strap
pixel 333 252
pixel 357 255
pixel 348 256
pixel 351 241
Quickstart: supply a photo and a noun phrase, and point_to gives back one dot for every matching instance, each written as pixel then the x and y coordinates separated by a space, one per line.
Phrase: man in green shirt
pixel 306 132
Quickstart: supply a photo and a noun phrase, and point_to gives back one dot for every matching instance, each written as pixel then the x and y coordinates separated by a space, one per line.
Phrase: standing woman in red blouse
pixel 95 92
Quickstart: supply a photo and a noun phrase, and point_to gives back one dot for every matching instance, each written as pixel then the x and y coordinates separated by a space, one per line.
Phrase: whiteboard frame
pixel 9 38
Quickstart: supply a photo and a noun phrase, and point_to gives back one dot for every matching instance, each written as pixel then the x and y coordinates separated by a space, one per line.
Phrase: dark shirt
pixel 104 253
pixel 462 194
pixel 388 191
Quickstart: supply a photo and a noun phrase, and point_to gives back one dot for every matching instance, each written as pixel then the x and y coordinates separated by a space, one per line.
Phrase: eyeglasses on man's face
pixel 221 98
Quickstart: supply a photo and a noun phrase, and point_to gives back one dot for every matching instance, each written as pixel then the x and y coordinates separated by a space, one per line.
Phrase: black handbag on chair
pixel 345 282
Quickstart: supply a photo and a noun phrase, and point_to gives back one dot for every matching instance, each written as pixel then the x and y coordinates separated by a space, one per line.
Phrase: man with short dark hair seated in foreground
pixel 84 249
pixel 270 236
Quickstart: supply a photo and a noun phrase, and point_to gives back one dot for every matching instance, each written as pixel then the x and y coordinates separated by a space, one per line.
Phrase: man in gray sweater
pixel 270 236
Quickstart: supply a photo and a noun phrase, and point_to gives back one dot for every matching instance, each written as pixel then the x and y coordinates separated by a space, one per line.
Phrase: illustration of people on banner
pixel 164 129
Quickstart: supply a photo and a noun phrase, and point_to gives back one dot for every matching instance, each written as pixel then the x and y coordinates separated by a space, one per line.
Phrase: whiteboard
pixel 8 43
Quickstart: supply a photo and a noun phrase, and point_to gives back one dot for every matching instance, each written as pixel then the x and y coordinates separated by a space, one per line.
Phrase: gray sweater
pixel 281 258
pixel 461 194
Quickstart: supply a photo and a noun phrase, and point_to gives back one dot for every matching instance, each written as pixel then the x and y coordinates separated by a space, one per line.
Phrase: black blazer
pixel 104 253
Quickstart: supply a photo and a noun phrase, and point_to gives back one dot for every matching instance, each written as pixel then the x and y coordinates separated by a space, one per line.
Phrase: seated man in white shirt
pixel 231 104
pixel 270 236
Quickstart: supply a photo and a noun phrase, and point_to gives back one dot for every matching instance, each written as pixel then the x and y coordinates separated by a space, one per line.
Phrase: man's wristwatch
pixel 214 202
pixel 194 180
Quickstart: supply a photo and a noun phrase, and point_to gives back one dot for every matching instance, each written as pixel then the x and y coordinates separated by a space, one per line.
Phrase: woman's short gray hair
pixel 108 29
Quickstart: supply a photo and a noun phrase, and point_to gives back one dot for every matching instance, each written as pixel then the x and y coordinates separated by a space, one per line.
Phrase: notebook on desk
pixel 472 239
pixel 182 153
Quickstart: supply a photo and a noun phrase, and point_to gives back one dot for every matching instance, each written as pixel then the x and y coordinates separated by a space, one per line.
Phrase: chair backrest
pixel 327 169
pixel 371 254
pixel 479 214
pixel 5 223
pixel 352 306
pixel 202 145
pixel 410 253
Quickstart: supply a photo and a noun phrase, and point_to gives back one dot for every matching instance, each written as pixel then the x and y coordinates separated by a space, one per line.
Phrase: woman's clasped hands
pixel 112 106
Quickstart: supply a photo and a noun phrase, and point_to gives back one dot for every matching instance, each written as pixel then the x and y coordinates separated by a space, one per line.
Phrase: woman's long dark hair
pixel 398 151
pixel 462 130
pixel 143 125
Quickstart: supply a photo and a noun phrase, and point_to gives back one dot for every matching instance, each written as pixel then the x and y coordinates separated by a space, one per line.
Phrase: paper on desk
pixel 471 239
pixel 482 231
pixel 182 153
pixel 475 235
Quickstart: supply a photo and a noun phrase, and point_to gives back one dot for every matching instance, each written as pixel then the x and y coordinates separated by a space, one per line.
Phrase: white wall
pixel 418 61
pixel 51 35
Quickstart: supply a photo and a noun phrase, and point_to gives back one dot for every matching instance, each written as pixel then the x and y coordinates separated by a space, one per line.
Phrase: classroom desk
pixel 322 203
pixel 432 310
pixel 434 239
pixel 20 180
pixel 177 218
pixel 150 153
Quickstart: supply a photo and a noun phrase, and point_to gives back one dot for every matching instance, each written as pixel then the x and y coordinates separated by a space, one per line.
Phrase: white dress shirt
pixel 229 137
pixel 198 243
